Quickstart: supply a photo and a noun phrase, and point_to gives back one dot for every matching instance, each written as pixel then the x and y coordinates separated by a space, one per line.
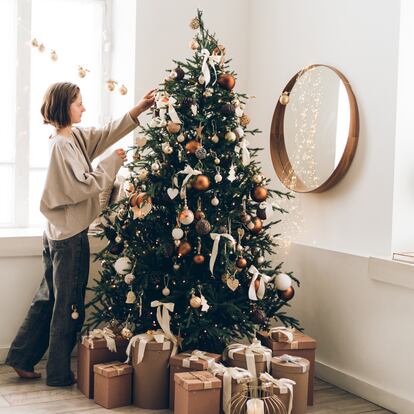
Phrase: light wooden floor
pixel 18 396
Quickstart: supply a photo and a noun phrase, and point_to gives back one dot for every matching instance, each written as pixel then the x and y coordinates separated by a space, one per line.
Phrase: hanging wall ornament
pixel 123 90
pixel 284 98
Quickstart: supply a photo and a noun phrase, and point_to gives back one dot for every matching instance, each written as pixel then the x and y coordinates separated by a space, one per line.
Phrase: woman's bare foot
pixel 27 374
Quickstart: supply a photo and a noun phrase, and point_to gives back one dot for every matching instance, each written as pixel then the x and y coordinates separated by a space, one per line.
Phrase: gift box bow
pixel 301 362
pixel 196 355
pixel 286 333
pixel 104 333
pixel 285 386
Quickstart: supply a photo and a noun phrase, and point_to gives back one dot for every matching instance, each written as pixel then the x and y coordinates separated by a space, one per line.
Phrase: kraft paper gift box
pixel 189 361
pixel 197 392
pixel 254 357
pixel 234 380
pixel 112 384
pixel 150 355
pixel 99 346
pixel 297 370
pixel 300 345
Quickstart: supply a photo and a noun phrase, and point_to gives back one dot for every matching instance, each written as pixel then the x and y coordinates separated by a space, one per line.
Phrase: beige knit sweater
pixel 70 197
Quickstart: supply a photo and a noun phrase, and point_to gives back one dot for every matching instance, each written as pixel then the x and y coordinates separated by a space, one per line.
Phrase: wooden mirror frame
pixel 280 159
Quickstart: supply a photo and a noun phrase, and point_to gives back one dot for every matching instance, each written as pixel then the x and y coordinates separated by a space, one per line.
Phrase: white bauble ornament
pixel 140 141
pixel 176 266
pixel 143 175
pixel 260 259
pixel 177 233
pixel 166 291
pixel 215 138
pixel 129 278
pixel 118 239
pixel 166 148
pixel 217 161
pixel 218 178
pixel 257 178
pixel 215 201
pixel 186 216
pixel 230 136
pixel 123 265
pixel 283 281
pixel 239 112
pixel 250 225
pixel 181 138
pixel 75 314
pixel 239 131
pixel 155 166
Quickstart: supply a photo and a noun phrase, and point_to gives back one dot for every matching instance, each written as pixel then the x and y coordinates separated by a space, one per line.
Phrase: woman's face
pixel 76 110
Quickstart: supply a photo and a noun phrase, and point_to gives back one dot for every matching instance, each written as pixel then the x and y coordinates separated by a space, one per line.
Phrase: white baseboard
pixel 364 389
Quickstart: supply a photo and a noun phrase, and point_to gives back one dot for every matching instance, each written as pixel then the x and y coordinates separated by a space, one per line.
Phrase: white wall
pixel 361 324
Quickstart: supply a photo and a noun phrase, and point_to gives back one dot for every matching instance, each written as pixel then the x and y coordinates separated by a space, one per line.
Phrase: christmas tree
pixel 190 248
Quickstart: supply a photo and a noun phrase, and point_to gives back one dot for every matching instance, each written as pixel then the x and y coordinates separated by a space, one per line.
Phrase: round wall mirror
pixel 314 130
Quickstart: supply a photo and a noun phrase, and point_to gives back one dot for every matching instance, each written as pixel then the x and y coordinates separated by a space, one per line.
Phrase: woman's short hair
pixel 56 104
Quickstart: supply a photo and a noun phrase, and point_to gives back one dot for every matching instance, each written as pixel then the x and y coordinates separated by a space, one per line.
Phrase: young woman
pixel 70 203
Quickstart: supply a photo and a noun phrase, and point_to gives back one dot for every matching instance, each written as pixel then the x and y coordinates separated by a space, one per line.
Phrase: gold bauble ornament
pixel 241 262
pixel 172 127
pixel 258 225
pixel 284 98
pixel 230 136
pixel 259 194
pixel 123 90
pixel 227 81
pixel 287 294
pixel 201 183
pixel 198 259
pixel 244 120
pixel 194 45
pixel 110 85
pixel 195 302
pixel 82 72
pixel 192 146
pixel 184 248
pixel 126 333
pixel 195 23
pixel 186 216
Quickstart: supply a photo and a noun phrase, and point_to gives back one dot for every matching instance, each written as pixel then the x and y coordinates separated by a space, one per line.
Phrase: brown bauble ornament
pixel 244 120
pixel 258 225
pixel 143 198
pixel 172 127
pixel 199 215
pixel 184 248
pixel 241 262
pixel 192 146
pixel 201 182
pixel 258 317
pixel 257 284
pixel 195 302
pixel 180 73
pixel 227 109
pixel 259 194
pixel 227 81
pixel 203 227
pixel 287 294
pixel 198 259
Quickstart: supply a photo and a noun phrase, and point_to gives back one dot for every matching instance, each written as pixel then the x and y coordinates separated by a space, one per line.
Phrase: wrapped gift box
pixel 189 361
pixel 112 384
pixel 93 351
pixel 282 388
pixel 150 361
pixel 242 356
pixel 197 392
pixel 297 370
pixel 302 346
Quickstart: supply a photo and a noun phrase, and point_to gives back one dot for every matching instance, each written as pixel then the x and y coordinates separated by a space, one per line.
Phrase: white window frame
pixel 21 164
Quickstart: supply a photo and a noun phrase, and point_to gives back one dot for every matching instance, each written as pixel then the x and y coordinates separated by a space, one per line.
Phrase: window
pixel 78 31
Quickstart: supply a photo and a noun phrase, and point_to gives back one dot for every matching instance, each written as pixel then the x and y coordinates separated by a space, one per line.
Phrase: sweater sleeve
pixel 98 140
pixel 67 182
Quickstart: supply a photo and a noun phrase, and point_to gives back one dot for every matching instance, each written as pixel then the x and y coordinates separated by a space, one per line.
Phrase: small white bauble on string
pixel 257 178
pixel 176 266
pixel 215 201
pixel 215 138
pixel 217 161
pixel 166 148
pixel 155 166
pixel 143 175
pixel 123 90
pixel 75 314
pixel 283 281
pixel 186 216
pixel 166 291
pixel 123 265
pixel 239 131
pixel 230 136
pixel 177 233
pixel 140 141
pixel 181 138
pixel 218 178
pixel 118 239
pixel 260 259
pixel 129 278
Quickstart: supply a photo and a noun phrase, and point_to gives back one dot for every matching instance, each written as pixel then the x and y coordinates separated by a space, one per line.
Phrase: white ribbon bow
pixel 164 319
pixel 165 103
pixel 245 154
pixel 216 237
pixel 195 356
pixel 240 375
pixel 105 333
pixel 250 350
pixel 293 360
pixel 285 386
pixel 287 332
pixel 212 60
pixel 157 336
pixel 253 295
pixel 190 172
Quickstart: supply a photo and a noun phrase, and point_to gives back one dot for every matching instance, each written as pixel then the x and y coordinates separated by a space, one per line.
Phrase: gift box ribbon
pixel 293 360
pixel 282 330
pixel 240 375
pixel 195 356
pixel 250 350
pixel 104 333
pixel 285 386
